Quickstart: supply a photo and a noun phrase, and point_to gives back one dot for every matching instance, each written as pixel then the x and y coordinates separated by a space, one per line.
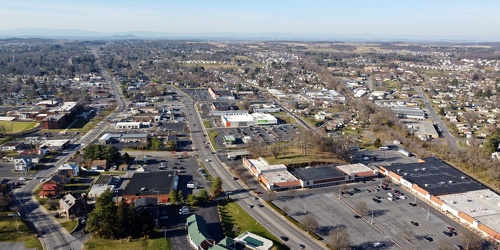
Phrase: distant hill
pixel 86 34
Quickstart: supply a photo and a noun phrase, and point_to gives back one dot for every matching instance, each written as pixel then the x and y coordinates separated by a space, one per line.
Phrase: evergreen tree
pixel 216 187
pixel 180 196
pixel 377 143
pixel 102 220
pixel 174 197
pixel 192 200
pixel 203 196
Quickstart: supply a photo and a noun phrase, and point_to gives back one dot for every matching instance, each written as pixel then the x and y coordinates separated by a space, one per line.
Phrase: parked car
pixel 414 223
pixel 428 238
pixel 378 244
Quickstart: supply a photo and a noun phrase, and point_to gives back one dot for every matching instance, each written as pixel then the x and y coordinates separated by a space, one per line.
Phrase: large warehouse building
pixel 232 121
pixel 452 191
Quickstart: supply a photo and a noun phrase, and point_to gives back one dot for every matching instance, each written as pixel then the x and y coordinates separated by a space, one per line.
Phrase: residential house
pixel 103 183
pixel 53 186
pixel 99 165
pixel 22 163
pixel 69 169
pixel 12 146
pixel 72 207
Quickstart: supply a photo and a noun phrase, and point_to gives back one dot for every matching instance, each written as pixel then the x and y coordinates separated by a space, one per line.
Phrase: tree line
pixel 108 221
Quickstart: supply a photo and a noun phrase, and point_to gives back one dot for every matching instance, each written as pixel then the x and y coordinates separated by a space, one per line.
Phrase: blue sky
pixel 419 17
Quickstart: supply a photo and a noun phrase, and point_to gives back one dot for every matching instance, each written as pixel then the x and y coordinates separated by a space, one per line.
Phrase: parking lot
pixel 269 134
pixel 198 94
pixel 391 219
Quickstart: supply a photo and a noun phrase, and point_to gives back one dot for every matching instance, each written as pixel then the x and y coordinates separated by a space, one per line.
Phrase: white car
pixel 378 244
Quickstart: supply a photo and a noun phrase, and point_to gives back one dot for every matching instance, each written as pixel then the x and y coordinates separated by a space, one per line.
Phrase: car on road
pixel 301 246
pixel 428 238
pixel 260 205
pixel 23 179
pixel 447 233
pixel 284 238
pixel 414 223
pixel 250 205
pixel 357 216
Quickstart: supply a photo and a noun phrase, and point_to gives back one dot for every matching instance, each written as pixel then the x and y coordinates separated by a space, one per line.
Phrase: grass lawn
pixel 69 224
pixel 211 135
pixel 17 126
pixel 286 118
pixel 390 84
pixel 207 124
pixel 237 221
pixel 294 155
pixel 9 233
pixel 157 241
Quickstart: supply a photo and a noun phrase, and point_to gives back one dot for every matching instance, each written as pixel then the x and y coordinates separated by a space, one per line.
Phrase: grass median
pixel 236 221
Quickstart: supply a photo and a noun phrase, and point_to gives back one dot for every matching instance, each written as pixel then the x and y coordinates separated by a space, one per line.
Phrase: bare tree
pixel 471 241
pixel 285 209
pixel 310 223
pixel 444 244
pixel 257 147
pixel 362 208
pixel 275 150
pixel 339 239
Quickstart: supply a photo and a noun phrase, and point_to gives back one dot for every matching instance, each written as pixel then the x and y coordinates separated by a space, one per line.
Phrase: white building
pixel 231 121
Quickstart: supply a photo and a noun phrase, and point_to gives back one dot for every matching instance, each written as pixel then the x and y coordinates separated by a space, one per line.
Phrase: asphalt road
pixel 265 215
pixel 452 141
pixel 54 235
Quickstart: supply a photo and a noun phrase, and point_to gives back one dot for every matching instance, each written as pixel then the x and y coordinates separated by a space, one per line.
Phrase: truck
pixel 192 185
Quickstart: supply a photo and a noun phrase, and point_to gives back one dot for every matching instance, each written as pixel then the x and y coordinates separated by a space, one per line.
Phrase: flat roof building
pixel 435 176
pixel 157 184
pixel 248 120
pixel 274 177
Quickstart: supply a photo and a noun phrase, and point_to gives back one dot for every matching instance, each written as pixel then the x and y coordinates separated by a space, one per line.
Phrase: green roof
pixel 253 241
pixel 226 242
pixel 197 229
pixel 218 247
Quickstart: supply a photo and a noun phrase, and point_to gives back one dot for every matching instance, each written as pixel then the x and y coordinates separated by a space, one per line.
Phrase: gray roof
pixel 437 177
pixel 156 182
pixel 317 173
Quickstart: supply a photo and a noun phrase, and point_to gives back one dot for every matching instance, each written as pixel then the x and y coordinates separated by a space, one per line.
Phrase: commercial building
pixel 156 184
pixel 54 121
pixel 450 191
pixel 324 176
pixel 274 177
pixel 409 113
pixel 424 130
pixel 221 94
pixel 232 121
pixel 132 125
